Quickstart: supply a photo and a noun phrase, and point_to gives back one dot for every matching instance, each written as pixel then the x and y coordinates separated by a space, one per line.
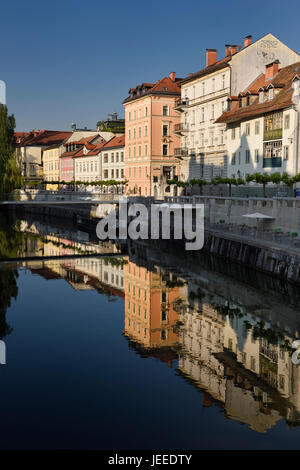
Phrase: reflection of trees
pixel 8 290
pixel 11 240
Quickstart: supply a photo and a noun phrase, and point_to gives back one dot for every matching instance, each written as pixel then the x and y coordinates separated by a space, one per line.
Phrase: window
pixel 212 111
pixel 117 173
pixel 213 85
pixel 112 158
pixel 165 110
pixel 129 152
pixel 202 114
pixel 256 127
pixel 271 93
pixel 223 81
pixel 122 173
pixel 146 111
pixel 165 150
pixel 146 131
pixel 233 133
pixel 261 96
pixel 256 155
pixel 165 130
pixel 112 173
pixel 134 132
pixel 252 363
pixel 105 174
pixel 163 315
pixel 122 156
pixel 146 150
pixel 222 137
pixel 287 121
pixel 211 138
pixel 140 150
pixel 140 132
pixel 286 153
pixel 134 115
pixel 203 88
pixel 233 159
pixel 248 129
pixel 247 156
pixel 202 140
pixel 117 157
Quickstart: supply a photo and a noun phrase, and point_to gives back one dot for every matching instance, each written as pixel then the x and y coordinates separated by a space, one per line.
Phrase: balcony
pixel 273 134
pixel 181 103
pixel 181 152
pixel 181 128
pixel 274 162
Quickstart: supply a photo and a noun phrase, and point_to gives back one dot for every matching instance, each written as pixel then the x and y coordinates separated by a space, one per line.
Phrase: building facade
pixel 113 159
pixel 30 151
pixel 75 147
pixel 262 124
pixel 204 150
pixel 150 118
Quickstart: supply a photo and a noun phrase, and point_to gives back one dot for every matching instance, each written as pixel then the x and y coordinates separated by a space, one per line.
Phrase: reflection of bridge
pixel 58 197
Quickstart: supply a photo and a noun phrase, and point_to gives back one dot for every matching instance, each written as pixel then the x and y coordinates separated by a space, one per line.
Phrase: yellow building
pixel 51 163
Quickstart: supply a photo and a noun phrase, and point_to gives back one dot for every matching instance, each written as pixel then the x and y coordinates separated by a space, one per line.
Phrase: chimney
pixel 272 69
pixel 230 49
pixel 172 76
pixel 211 56
pixel 248 40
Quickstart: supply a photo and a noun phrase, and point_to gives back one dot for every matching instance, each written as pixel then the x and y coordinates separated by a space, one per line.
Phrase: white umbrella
pixel 258 216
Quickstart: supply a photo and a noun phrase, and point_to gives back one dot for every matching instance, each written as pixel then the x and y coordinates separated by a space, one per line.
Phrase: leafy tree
pixel 10 174
pixel 260 178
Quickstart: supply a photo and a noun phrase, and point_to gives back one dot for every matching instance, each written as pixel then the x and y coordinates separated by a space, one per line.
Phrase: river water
pixel 140 348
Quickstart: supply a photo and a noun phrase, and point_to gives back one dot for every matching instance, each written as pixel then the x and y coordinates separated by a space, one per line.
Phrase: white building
pixel 113 159
pixel 262 124
pixel 203 151
pixel 87 164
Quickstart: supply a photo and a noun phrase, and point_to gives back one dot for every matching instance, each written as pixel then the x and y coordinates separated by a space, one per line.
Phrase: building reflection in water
pixel 228 339
pixel 238 355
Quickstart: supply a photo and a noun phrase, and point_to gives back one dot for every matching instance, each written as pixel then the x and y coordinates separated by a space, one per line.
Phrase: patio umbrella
pixel 258 216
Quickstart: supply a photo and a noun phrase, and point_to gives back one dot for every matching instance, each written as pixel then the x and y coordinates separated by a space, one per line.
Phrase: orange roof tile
pixel 117 141
pixel 282 81
pixel 162 86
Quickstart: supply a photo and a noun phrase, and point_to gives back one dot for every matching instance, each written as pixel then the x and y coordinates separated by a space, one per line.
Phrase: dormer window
pixel 296 86
pixel 261 96
pixel 165 88
pixel 271 93
pixel 248 100
pixel 240 102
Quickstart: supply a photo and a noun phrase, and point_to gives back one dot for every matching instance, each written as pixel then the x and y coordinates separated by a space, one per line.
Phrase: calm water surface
pixel 141 350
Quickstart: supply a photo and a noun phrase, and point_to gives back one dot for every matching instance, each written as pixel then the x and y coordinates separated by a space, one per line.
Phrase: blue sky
pixel 74 61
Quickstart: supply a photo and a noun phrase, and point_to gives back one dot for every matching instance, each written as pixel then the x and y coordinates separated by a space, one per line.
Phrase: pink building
pixel 150 139
pixel 67 171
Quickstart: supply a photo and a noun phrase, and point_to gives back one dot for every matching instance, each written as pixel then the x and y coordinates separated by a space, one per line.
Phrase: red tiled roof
pixel 117 141
pixel 45 138
pixel 282 81
pixel 162 86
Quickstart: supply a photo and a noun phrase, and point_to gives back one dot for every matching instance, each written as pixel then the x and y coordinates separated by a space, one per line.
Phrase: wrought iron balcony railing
pixel 180 152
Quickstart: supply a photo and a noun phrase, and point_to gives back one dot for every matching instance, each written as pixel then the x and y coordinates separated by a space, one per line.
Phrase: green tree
pixel 260 178
pixel 10 174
